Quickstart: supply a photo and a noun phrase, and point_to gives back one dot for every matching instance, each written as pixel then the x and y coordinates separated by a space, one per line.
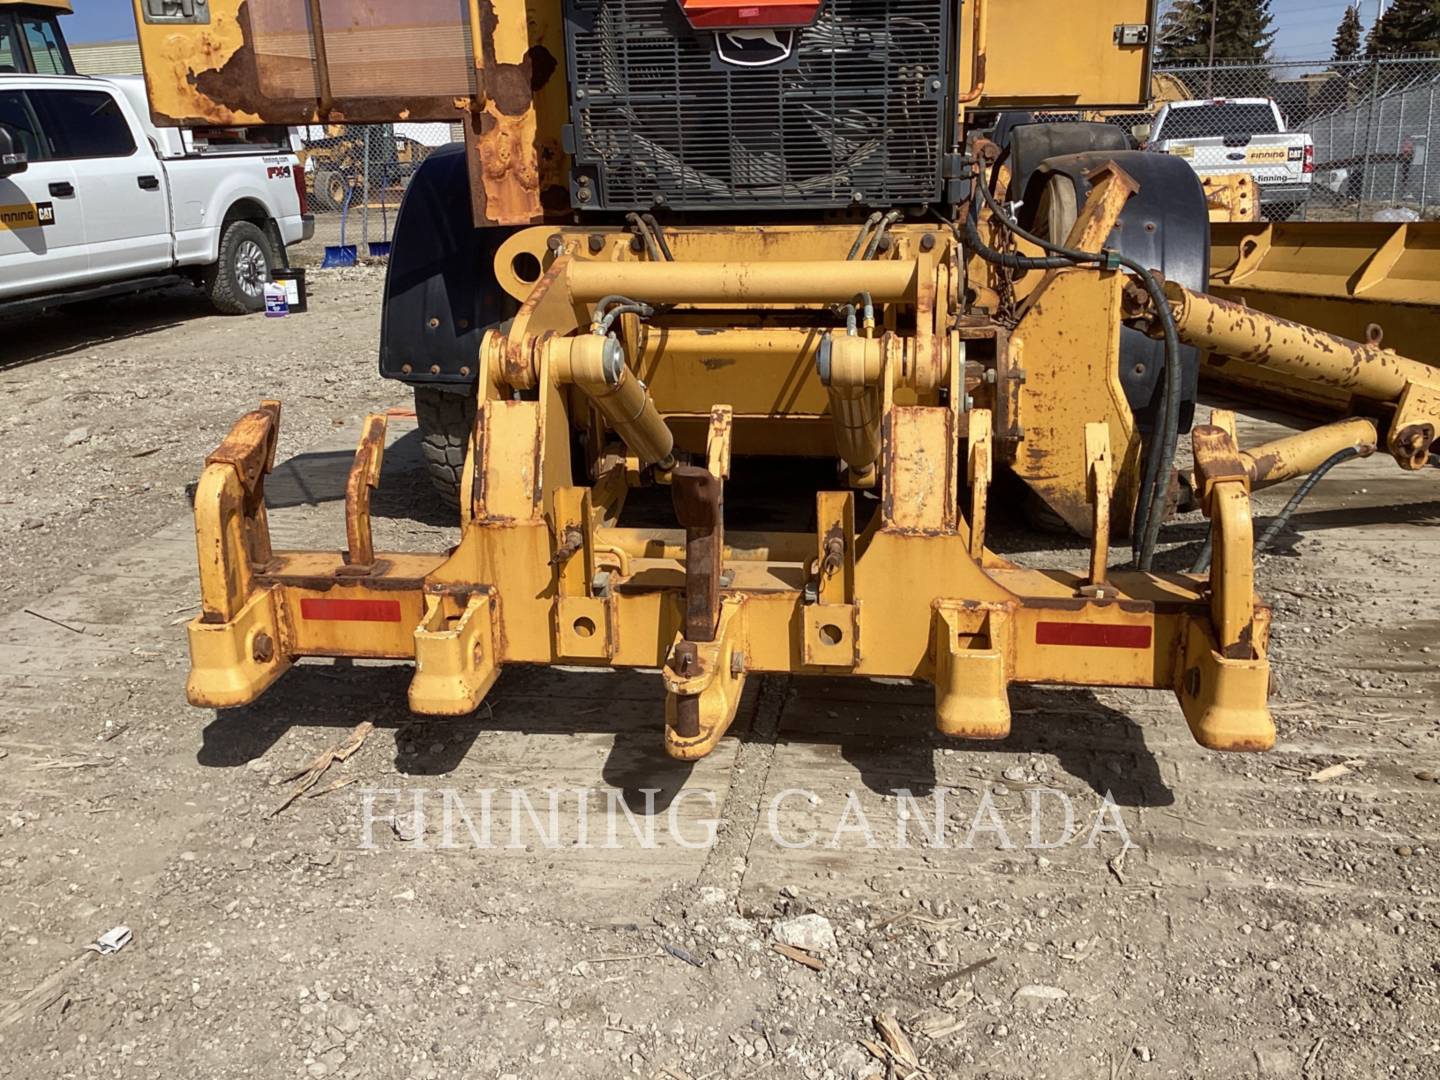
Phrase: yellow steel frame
pixel 545 572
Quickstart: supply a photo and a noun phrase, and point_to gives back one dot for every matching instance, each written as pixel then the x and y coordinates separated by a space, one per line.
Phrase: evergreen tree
pixel 1242 31
pixel 1348 35
pixel 1409 26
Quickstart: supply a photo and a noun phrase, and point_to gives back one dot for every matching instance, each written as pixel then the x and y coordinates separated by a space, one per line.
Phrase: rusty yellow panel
pixel 1068 342
pixel 510 469
pixel 920 462
pixel 1060 52
pixel 299 61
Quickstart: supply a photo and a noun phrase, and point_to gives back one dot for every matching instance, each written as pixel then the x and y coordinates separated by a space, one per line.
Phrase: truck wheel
pixel 236 282
pixel 445 420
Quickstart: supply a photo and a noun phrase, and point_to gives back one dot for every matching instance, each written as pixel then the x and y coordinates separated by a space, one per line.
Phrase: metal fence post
pixel 1367 180
pixel 365 194
pixel 1429 130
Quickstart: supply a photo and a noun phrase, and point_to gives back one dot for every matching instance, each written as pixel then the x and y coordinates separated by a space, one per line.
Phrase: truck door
pixel 42 234
pixel 118 179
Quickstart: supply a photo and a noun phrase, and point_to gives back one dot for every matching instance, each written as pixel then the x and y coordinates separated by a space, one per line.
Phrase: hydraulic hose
pixel 1160 455
pixel 1202 561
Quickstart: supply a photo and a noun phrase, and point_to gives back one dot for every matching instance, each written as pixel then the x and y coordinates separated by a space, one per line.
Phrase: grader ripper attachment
pixel 838 276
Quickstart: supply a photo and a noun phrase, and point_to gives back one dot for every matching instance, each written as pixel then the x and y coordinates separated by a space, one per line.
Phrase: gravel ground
pixel 1275 916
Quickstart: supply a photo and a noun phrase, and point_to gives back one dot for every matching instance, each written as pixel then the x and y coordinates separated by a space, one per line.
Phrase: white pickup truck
pixel 1230 135
pixel 96 201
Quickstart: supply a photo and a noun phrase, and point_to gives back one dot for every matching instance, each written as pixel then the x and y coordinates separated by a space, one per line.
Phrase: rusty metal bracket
pixel 237 644
pixel 697 495
pixel 831 625
pixel 364 478
pixel 703 683
pixel 981 467
pixel 1102 485
pixel 1413 430
pixel 455 652
pixel 1223 485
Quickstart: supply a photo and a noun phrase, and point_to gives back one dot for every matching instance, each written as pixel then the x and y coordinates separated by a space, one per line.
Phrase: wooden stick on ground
pixel 310 775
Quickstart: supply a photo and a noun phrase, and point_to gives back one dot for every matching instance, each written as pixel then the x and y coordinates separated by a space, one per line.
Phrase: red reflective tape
pixel 1096 635
pixel 350 610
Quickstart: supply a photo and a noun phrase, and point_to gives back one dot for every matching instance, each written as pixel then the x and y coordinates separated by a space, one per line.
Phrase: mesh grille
pixel 854 114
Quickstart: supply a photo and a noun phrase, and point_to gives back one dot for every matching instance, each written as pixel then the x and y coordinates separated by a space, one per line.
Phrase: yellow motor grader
pixel 697 260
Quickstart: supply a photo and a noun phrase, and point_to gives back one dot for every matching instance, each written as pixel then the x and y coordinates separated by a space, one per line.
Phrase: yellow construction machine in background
pixel 691 253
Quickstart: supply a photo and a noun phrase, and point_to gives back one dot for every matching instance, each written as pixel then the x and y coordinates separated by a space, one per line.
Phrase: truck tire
pixel 235 283
pixel 445 418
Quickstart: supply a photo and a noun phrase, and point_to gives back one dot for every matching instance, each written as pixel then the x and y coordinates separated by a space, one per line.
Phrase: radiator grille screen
pixel 853 114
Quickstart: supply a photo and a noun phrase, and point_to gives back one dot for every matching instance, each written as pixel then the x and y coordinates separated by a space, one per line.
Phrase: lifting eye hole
pixel 526 267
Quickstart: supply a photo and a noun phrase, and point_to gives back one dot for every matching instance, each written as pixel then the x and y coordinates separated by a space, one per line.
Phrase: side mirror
pixel 13 158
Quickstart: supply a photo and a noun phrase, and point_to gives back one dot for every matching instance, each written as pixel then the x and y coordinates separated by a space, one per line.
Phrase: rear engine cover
pixel 846 111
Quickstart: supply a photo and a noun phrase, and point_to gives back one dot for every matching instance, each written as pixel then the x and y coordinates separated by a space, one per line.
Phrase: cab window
pixel 83 124
pixel 46 51
pixel 9 46
pixel 16 114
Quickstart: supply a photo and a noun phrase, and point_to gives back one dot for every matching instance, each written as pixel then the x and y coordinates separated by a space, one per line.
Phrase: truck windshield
pixel 1219 120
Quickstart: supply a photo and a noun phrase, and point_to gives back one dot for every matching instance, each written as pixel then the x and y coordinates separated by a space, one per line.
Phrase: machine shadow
pixel 61 331
pixel 1100 746
pixel 891 744
pixel 405 493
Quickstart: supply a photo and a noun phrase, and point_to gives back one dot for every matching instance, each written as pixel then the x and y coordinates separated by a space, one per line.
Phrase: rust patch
pixel 1264 465
pixel 236 91
pixel 324 582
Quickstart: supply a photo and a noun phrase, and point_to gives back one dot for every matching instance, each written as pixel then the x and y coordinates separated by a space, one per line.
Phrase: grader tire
pixel 445 419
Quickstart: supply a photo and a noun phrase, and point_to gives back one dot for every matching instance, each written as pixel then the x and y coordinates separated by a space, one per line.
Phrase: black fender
pixel 440 288
pixel 1165 227
pixel 1031 142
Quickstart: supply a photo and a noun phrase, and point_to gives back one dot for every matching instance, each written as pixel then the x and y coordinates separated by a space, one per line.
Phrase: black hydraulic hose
pixel 1202 561
pixel 612 307
pixel 1160 456
pixel 880 231
pixel 651 247
pixel 659 234
pixel 864 234
pixel 608 320
pixel 1009 259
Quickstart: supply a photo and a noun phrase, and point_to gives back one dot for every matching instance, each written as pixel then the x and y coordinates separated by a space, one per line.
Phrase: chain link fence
pixel 1354 139
pixel 356 175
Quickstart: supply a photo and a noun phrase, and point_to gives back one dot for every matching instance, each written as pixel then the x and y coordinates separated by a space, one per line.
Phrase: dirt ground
pixel 1275 916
